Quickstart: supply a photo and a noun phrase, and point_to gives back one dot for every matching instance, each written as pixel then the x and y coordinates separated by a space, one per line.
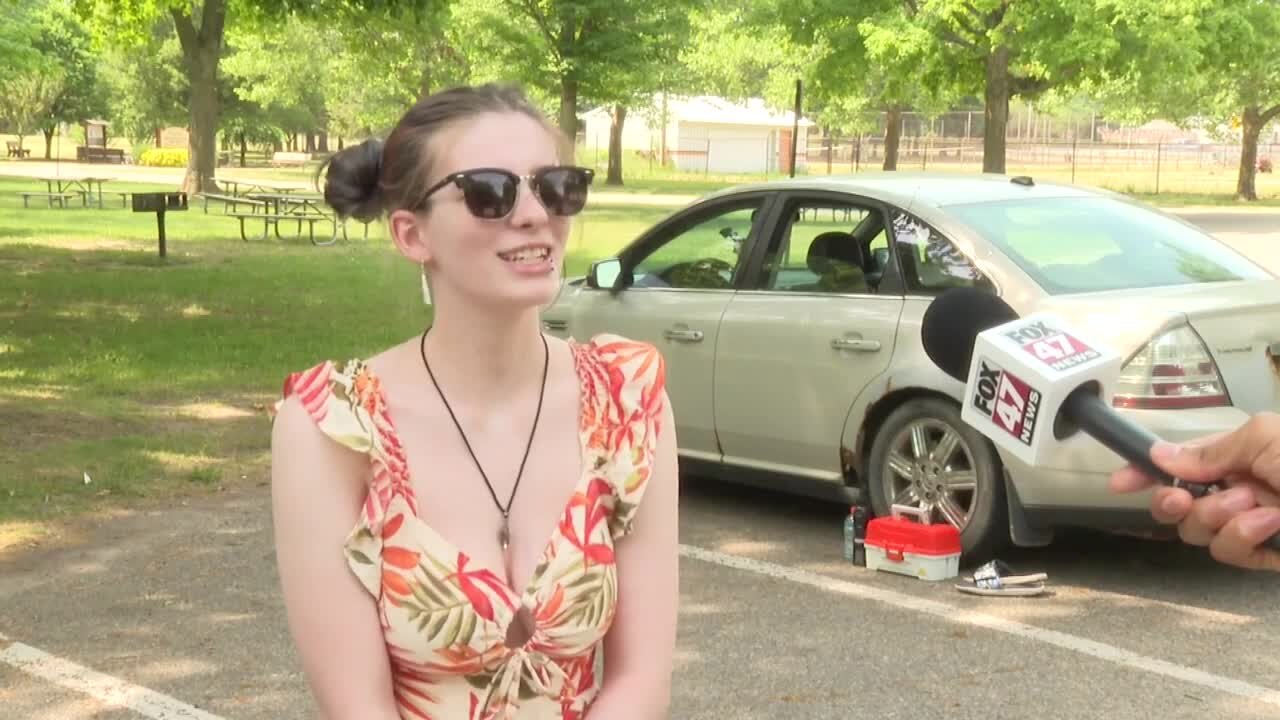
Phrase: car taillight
pixel 1174 371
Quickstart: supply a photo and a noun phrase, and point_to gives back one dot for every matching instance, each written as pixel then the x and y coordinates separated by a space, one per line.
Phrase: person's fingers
pixel 1129 479
pixel 1170 505
pixel 1210 513
pixel 1237 543
pixel 1253 448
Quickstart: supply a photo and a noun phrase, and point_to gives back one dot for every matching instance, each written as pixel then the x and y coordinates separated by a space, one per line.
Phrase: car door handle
pixel 555 324
pixel 683 335
pixel 856 345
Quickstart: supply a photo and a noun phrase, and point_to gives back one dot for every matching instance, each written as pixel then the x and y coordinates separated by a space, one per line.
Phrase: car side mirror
pixel 604 274
pixel 726 232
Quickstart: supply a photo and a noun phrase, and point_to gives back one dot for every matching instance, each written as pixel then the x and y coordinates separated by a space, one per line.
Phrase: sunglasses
pixel 490 193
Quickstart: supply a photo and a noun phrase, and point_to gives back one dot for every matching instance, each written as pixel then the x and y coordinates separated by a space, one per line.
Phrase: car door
pixel 681 275
pixel 812 327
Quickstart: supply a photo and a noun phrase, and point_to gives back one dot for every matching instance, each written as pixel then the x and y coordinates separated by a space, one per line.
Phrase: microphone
pixel 1031 383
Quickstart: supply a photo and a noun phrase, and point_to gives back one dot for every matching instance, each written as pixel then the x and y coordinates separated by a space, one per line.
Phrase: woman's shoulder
pixel 343 398
pixel 624 360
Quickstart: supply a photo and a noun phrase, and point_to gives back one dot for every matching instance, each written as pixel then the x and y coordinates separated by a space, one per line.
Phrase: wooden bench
pixel 60 198
pixel 297 159
pixel 269 219
pixel 100 154
pixel 15 151
pixel 228 201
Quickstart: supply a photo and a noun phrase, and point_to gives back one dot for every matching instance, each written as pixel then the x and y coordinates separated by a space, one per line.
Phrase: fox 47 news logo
pixel 1055 348
pixel 1011 403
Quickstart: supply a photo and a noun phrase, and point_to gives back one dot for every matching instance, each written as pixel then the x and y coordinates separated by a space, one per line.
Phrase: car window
pixel 823 247
pixel 930 261
pixel 703 256
pixel 1070 245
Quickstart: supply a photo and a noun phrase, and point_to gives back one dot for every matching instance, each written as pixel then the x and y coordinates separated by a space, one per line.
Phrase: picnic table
pixel 233 186
pixel 288 207
pixel 233 196
pixel 67 188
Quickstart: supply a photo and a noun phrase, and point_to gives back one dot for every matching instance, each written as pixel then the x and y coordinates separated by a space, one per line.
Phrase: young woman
pixel 479 522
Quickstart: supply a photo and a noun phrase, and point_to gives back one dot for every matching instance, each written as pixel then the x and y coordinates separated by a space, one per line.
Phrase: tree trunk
pixel 243 149
pixel 1251 127
pixel 997 111
pixel 569 108
pixel 311 142
pixel 324 142
pixel 48 143
pixel 615 146
pixel 201 50
pixel 892 137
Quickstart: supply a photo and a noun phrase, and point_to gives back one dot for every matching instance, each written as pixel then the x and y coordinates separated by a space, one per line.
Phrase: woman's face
pixel 510 262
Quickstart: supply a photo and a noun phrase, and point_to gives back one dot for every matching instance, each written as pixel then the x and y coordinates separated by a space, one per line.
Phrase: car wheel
pixel 925 457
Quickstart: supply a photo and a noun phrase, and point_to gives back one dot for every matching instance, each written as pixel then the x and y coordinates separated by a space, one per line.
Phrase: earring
pixel 426 289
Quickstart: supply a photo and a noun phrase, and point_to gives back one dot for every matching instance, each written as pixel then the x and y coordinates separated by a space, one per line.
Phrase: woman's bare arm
pixel 317 488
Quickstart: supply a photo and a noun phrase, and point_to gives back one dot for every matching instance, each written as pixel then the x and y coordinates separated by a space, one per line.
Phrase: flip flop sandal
pixel 997 578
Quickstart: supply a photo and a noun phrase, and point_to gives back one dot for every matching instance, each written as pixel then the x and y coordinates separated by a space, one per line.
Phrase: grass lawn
pixel 153 377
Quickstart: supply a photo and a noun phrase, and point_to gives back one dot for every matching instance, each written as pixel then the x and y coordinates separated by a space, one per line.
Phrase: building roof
pixel 719 111
pixel 713 110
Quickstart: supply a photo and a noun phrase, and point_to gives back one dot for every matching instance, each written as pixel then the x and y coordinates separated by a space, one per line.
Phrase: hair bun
pixel 351 181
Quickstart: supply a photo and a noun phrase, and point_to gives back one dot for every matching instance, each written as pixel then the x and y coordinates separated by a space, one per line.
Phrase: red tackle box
pixel 913 547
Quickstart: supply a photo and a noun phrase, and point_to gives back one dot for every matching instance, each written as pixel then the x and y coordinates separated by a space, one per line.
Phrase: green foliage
pixel 64 42
pixel 610 51
pixel 18 35
pixel 147 84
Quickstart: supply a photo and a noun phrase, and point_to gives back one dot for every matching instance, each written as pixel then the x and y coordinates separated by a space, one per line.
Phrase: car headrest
pixel 837 246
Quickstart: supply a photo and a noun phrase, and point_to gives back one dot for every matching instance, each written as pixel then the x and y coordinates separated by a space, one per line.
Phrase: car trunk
pixel 1243 334
pixel 1238 321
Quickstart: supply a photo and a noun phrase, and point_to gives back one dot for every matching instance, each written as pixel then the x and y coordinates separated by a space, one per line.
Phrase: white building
pixel 705 133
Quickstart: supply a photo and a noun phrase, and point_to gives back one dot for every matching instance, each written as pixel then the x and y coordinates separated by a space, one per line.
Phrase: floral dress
pixel 462 643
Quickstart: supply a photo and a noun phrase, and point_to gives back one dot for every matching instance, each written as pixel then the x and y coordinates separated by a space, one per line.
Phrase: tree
pixel 842 36
pixel 17 35
pixel 274 72
pixel 1205 61
pixel 604 51
pixel 66 44
pixel 201 32
pixel 1003 49
pixel 146 84
pixel 28 97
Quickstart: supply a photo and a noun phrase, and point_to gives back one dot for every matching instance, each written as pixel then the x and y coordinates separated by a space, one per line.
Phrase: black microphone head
pixel 952 323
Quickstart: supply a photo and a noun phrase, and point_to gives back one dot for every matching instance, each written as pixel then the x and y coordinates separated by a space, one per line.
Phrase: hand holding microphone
pixel 1232 524
pixel 1032 383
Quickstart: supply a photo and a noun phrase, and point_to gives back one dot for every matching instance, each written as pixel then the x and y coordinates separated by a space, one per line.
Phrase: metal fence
pixel 1144 167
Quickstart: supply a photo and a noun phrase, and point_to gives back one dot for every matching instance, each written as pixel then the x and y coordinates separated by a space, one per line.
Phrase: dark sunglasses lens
pixel 489 194
pixel 563 190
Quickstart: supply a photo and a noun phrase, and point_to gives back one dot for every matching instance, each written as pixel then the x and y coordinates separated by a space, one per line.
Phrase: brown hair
pixel 365 180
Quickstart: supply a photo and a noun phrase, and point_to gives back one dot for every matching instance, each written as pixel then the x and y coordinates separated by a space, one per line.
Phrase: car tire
pixel 985 528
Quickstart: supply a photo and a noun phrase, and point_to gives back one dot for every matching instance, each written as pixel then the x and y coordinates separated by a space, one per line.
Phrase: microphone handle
pixel 1131 442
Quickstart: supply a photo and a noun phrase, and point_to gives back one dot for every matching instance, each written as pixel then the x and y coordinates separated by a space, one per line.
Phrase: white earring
pixel 426 289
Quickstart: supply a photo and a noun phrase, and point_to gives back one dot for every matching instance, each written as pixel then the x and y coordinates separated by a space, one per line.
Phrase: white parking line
pixel 104 688
pixel 957 614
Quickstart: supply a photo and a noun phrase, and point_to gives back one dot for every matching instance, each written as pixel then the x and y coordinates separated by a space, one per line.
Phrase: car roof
pixel 922 188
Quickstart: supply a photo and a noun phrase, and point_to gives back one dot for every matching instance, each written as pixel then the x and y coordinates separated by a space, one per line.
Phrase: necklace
pixel 504 534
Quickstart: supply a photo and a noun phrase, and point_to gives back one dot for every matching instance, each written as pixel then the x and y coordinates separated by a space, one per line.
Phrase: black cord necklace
pixel 504 534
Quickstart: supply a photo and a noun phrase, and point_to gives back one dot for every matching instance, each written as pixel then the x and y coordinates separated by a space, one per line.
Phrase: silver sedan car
pixel 789 316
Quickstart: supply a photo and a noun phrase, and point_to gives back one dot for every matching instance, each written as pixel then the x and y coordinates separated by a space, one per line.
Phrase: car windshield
pixel 1075 245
